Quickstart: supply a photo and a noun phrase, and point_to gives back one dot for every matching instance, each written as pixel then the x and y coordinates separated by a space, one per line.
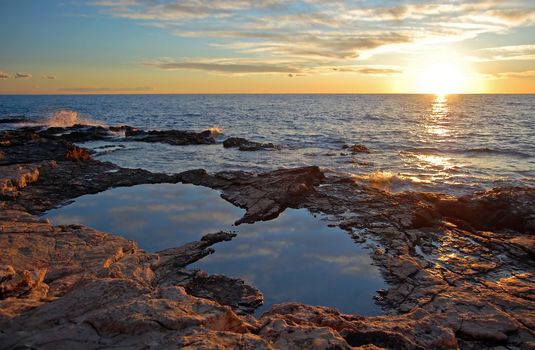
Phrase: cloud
pixel 180 10
pixel 507 53
pixel 378 70
pixel 4 76
pixel 22 76
pixel 228 66
pixel 107 89
pixel 50 77
pixel 312 33
pixel 528 74
pixel 247 66
pixel 338 46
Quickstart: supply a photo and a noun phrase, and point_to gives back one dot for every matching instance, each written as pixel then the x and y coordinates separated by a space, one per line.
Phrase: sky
pixel 266 46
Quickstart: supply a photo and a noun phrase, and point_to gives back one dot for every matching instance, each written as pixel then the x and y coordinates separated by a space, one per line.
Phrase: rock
pixel 246 145
pixel 14 120
pixel 233 292
pixel 264 196
pixel 78 154
pixel 499 208
pixel 174 258
pixel 297 326
pixel 26 146
pixel 67 180
pixel 77 133
pixel 460 270
pixel 120 312
pixel 17 176
pixel 172 137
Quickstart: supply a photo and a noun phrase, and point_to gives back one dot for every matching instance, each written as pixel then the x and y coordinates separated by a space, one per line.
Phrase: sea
pixel 453 144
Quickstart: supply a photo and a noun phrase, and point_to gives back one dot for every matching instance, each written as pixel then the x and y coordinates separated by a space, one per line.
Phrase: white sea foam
pixel 388 181
pixel 216 131
pixel 65 118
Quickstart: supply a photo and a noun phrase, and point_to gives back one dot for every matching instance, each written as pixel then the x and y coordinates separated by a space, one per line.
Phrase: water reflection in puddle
pixel 295 257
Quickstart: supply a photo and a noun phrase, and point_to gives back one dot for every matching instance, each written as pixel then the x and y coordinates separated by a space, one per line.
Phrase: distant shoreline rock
pixel 246 145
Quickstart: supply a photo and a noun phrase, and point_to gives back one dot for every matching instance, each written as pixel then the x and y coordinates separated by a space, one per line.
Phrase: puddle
pixel 295 257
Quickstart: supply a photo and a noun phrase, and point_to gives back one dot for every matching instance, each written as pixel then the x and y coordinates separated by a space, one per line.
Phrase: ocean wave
pixel 388 181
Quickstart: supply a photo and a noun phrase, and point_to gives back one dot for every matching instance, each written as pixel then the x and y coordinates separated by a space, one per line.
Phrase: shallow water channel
pixel 295 257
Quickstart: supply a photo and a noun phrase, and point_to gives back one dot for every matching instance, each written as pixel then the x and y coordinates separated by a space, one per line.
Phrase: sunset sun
pixel 442 78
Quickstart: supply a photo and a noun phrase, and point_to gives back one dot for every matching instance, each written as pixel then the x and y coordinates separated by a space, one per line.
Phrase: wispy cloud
pixel 49 77
pixel 4 76
pixel 527 74
pixel 22 76
pixel 231 66
pixel 507 53
pixel 246 66
pixel 378 70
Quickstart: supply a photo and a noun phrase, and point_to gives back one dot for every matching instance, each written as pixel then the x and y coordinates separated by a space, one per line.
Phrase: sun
pixel 442 78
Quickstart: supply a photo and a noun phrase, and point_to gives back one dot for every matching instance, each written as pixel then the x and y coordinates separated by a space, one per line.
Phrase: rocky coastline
pixel 460 269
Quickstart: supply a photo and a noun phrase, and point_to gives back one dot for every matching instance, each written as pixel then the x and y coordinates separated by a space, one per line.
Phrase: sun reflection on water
pixel 437 121
pixel 433 163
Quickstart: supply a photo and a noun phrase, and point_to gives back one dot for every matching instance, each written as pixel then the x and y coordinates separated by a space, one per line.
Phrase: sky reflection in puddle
pixel 295 257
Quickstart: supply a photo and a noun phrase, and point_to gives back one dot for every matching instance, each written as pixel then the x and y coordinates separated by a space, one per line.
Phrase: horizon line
pixel 261 93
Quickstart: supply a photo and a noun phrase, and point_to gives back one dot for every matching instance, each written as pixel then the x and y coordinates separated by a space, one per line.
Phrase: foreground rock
pixel 80 286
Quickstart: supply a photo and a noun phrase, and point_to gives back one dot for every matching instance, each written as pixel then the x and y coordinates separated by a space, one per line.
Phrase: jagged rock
pixel 78 154
pixel 297 326
pixel 264 196
pixel 26 146
pixel 233 292
pixel 499 208
pixel 77 133
pixel 117 312
pixel 17 176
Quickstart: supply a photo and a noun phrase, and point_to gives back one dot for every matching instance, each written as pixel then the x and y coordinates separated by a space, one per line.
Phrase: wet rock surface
pixel 172 137
pixel 460 269
pixel 264 196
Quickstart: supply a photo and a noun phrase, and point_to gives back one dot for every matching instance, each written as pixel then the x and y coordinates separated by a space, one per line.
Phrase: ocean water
pixel 449 143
